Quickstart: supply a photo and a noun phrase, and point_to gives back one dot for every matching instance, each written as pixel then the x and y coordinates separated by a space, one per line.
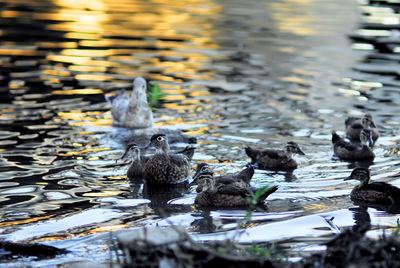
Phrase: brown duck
pixel 378 193
pixel 136 168
pixel 275 159
pixel 354 126
pixel 164 167
pixel 215 194
pixel 353 151
pixel 203 171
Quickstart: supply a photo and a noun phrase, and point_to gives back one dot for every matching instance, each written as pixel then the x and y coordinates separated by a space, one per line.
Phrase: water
pixel 233 73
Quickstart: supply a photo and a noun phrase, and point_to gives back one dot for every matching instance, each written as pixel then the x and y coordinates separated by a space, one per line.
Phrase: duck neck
pixel 364 182
pixel 136 157
pixel 163 149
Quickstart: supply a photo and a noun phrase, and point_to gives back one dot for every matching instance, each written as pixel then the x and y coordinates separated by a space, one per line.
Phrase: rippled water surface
pixel 233 73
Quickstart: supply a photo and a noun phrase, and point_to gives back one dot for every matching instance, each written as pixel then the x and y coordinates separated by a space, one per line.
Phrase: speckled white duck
pixel 131 111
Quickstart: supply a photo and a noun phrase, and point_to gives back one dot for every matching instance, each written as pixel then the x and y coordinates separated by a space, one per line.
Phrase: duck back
pixel 166 169
pixel 376 193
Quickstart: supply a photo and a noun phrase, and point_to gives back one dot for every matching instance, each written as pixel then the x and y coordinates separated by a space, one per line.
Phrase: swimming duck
pixel 136 169
pixel 215 194
pixel 379 193
pixel 275 159
pixel 241 178
pixel 353 151
pixel 131 111
pixel 164 167
pixel 354 126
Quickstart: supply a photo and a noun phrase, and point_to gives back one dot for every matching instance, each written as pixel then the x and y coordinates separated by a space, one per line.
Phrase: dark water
pixel 234 73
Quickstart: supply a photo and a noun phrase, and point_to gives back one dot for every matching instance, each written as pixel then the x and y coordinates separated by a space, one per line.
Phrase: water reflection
pixel 232 73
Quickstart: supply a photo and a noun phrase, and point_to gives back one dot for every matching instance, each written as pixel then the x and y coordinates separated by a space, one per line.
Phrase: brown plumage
pixel 227 195
pixel 242 178
pixel 354 125
pixel 275 159
pixel 136 168
pixel 353 151
pixel 164 167
pixel 379 193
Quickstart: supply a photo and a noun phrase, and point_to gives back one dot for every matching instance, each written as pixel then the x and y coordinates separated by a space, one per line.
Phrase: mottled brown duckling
pixel 204 171
pixel 275 159
pixel 136 169
pixel 164 167
pixel 354 126
pixel 353 151
pixel 227 195
pixel 131 111
pixel 379 193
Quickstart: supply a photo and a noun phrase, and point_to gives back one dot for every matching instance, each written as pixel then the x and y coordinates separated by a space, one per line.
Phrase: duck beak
pixel 370 142
pixel 348 178
pixel 124 155
pixel 300 152
pixel 192 183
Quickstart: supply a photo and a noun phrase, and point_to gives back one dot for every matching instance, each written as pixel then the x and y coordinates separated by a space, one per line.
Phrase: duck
pixel 354 125
pixel 353 151
pixel 164 167
pixel 275 159
pixel 377 193
pixel 136 168
pixel 215 194
pixel 241 178
pixel 131 111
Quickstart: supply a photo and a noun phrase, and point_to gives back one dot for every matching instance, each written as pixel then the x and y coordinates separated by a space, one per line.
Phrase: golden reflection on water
pixel 113 41
pixel 288 19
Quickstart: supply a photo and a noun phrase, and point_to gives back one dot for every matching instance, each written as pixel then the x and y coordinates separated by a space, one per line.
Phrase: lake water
pixel 233 73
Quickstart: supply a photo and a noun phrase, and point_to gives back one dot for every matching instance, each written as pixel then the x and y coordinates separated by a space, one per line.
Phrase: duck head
pixel 367 121
pixel 160 142
pixel 139 90
pixel 203 170
pixel 293 148
pixel 132 149
pixel 366 137
pixel 361 174
pixel 207 184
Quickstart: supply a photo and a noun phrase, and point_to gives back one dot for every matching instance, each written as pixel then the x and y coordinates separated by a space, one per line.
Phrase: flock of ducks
pixel 166 167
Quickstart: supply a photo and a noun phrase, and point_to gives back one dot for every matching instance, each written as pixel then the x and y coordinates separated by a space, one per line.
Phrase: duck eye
pixel 159 138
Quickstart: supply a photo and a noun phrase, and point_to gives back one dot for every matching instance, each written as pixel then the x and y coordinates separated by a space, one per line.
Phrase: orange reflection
pixel 289 20
pixel 84 151
pixel 78 118
pixel 35 219
pixel 86 91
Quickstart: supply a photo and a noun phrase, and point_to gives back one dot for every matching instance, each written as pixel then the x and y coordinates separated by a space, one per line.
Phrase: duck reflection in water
pixel 160 195
pixel 361 217
pixel 205 225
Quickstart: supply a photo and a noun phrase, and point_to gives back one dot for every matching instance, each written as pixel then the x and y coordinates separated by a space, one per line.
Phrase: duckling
pixel 378 193
pixel 227 195
pixel 241 178
pixel 275 159
pixel 166 168
pixel 353 151
pixel 131 111
pixel 354 126
pixel 136 169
